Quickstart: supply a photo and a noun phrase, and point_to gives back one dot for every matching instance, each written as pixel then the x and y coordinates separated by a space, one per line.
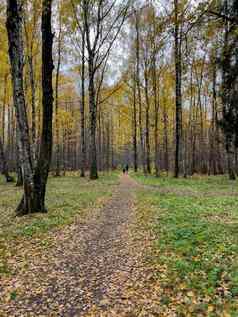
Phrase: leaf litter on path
pixel 91 268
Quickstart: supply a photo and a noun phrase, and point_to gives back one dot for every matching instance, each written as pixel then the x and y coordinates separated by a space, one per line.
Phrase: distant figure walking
pixel 124 170
pixel 127 168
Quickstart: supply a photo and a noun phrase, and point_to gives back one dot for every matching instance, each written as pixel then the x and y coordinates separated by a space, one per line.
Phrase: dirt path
pixel 91 269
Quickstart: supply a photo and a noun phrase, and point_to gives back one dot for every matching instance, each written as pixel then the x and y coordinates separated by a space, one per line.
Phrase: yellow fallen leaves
pixel 210 308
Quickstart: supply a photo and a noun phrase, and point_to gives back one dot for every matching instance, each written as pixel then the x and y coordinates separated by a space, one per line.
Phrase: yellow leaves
pixel 182 286
pixel 210 308
pixel 190 294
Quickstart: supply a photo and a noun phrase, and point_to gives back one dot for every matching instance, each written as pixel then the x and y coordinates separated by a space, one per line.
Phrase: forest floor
pixel 132 246
pixel 89 268
pixel 194 254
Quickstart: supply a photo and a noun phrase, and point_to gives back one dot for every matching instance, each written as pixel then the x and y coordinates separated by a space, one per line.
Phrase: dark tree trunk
pixel 213 135
pixel 230 163
pixel 82 111
pixel 100 154
pixel 166 142
pixel 33 107
pixel 34 183
pixel 15 39
pixel 147 124
pixel 4 165
pixel 139 92
pixel 229 120
pixel 93 122
pixel 4 108
pixel 18 162
pixel 57 171
pixel 178 71
pixel 108 145
pixel 156 121
pixel 134 127
pixel 43 164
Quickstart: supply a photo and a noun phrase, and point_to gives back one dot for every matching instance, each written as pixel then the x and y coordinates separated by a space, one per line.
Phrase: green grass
pixel 195 223
pixel 67 197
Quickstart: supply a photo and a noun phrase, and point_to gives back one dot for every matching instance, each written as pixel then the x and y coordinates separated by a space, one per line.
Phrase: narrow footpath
pixel 94 269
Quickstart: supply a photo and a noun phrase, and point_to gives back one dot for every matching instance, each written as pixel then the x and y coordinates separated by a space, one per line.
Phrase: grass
pixel 195 254
pixel 67 197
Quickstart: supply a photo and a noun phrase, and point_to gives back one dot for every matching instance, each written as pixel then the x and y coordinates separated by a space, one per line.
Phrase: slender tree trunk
pixel 4 165
pixel 33 107
pixel 108 145
pixel 178 71
pixel 147 124
pixel 9 127
pixel 134 127
pixel 93 122
pixel 230 163
pixel 82 111
pixel 4 109
pixel 139 92
pixel 100 154
pixel 166 142
pixel 57 172
pixel 213 134
pixel 156 128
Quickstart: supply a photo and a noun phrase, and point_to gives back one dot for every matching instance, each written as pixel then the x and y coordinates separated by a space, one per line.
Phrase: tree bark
pixel 57 172
pixel 230 163
pixel 134 126
pixel 43 164
pixel 33 107
pixel 93 122
pixel 178 71
pixel 82 111
pixel 156 120
pixel 147 123
pixel 19 182
pixel 4 165
pixel 15 39
pixel 139 92
pixel 34 182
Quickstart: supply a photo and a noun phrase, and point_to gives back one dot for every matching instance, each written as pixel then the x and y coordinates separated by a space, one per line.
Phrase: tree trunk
pixel 147 124
pixel 156 128
pixel 4 165
pixel 57 172
pixel 178 70
pixel 34 183
pixel 230 165
pixel 139 92
pixel 33 107
pixel 166 142
pixel 134 127
pixel 43 164
pixel 15 40
pixel 4 108
pixel 213 135
pixel 93 122
pixel 82 111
